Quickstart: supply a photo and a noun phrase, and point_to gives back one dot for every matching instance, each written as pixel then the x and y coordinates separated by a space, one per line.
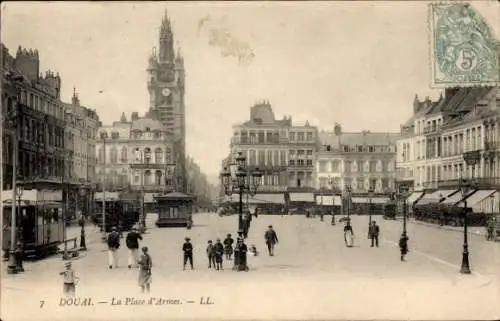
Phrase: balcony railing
pixel 491 145
pixel 432 129
pixel 480 183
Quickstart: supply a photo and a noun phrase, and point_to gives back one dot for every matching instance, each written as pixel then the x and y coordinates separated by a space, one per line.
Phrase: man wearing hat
pixel 146 263
pixel 113 246
pixel 271 239
pixel 69 280
pixel 187 248
pixel 132 242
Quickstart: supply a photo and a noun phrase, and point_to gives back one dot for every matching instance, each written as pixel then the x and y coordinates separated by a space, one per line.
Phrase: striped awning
pixel 414 197
pixel 328 200
pixel 453 198
pixel 482 201
pixel 302 197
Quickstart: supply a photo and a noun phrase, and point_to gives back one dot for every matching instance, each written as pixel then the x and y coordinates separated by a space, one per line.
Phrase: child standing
pixel 187 248
pixel 219 251
pixel 70 280
pixel 211 254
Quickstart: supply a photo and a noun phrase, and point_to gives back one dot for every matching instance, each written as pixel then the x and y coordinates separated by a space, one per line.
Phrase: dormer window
pixel 148 129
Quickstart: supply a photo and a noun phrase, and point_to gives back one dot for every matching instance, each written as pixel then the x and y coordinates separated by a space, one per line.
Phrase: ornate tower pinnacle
pixel 166 52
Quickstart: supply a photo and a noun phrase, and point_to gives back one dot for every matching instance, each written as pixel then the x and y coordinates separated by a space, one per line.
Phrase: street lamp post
pixel 243 180
pixel 370 197
pixel 19 252
pixel 83 244
pixel 465 267
pixel 104 136
pixel 12 267
pixel 348 191
pixel 330 182
pixel 142 222
pixel 403 193
pixel 471 158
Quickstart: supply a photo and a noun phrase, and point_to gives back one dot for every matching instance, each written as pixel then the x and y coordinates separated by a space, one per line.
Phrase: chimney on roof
pixel 135 116
pixel 416 105
pixel 337 129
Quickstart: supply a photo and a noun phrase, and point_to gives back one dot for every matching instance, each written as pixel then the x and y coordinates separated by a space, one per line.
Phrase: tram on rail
pixel 120 212
pixel 39 222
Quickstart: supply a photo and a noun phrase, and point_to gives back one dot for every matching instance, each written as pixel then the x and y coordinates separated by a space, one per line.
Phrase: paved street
pixel 313 275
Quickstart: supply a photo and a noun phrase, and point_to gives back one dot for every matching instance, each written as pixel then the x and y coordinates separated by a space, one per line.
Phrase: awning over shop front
pixel 328 200
pixel 302 197
pixel 453 199
pixel 482 201
pixel 266 199
pixel 414 197
pixel 149 197
pixel 366 200
pixel 110 196
pixel 434 197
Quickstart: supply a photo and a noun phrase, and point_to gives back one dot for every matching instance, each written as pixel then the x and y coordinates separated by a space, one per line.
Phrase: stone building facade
pixel 362 160
pixel 136 155
pixel 45 127
pixel 462 124
pixel 284 152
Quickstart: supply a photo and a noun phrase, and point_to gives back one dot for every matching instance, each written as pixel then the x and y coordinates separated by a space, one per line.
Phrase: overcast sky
pixel 356 63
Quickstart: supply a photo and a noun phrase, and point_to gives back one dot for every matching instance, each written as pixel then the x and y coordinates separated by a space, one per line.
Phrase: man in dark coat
pixel 373 233
pixel 271 239
pixel 187 248
pixel 132 242
pixel 113 246
pixel 219 251
pixel 403 245
pixel 228 246
pixel 240 255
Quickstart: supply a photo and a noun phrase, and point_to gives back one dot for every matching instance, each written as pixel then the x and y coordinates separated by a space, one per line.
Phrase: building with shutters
pixel 362 160
pixel 135 155
pixel 462 124
pixel 283 151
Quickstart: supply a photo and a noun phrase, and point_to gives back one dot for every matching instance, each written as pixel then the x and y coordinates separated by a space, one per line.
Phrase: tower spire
pixel 166 51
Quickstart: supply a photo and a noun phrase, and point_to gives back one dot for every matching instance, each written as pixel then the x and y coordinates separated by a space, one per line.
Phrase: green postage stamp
pixel 464 50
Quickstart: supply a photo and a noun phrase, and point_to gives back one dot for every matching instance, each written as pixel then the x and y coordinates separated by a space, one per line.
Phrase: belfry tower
pixel 166 95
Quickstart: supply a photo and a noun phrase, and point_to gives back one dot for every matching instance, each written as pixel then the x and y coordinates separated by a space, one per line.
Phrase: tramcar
pixel 174 209
pixel 39 222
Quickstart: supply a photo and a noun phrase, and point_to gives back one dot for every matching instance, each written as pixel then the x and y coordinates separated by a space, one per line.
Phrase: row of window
pixel 457 170
pixel 143 156
pixel 361 149
pixel 356 166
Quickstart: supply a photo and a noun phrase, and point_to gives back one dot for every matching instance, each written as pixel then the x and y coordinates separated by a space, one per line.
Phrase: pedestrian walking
pixel 271 239
pixel 403 245
pixel 69 280
pixel 132 242
pixel 228 246
pixel 211 254
pixel 145 263
pixel 348 234
pixel 373 233
pixel 240 256
pixel 187 248
pixel 219 252
pixel 113 246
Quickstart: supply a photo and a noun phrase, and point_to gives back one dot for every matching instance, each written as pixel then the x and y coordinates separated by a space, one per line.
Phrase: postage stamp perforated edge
pixel 431 58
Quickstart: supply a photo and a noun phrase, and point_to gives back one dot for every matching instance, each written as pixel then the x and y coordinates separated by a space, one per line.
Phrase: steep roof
pixel 142 124
pixel 358 138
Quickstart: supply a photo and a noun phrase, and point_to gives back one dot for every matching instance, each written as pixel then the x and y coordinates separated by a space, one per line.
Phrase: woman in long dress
pixel 348 234
pixel 145 264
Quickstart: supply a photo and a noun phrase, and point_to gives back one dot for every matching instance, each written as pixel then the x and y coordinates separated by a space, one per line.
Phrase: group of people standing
pixel 144 262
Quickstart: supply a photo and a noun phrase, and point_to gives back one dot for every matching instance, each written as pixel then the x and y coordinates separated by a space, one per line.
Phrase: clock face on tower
pixel 166 92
